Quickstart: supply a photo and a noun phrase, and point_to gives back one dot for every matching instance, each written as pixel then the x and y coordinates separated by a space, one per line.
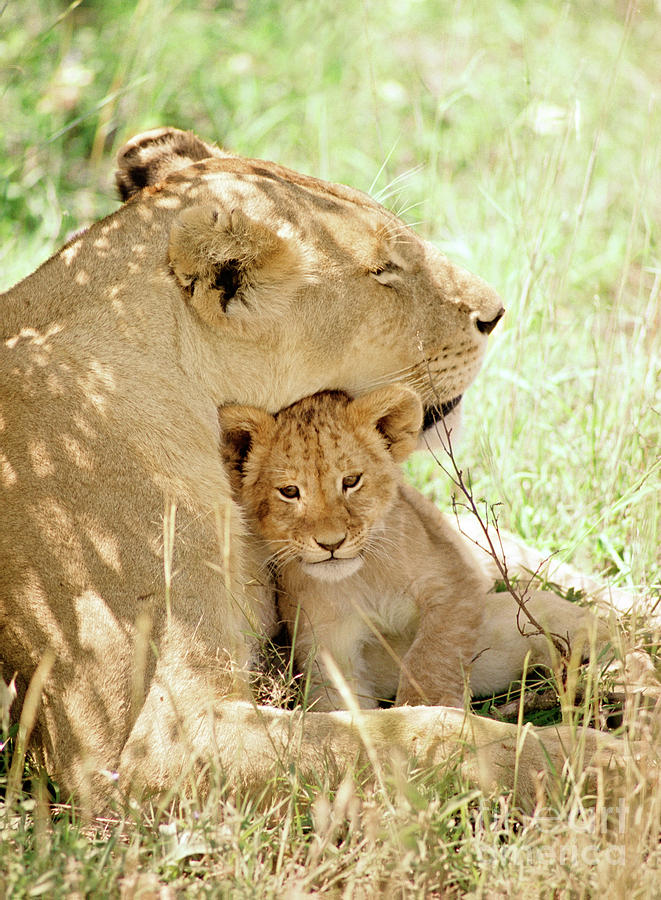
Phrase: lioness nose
pixel 331 543
pixel 487 326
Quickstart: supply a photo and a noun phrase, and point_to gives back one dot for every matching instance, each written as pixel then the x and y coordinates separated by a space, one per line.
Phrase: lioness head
pixel 326 287
pixel 318 478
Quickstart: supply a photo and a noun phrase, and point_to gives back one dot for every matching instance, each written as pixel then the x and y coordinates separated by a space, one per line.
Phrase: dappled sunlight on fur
pixel 123 554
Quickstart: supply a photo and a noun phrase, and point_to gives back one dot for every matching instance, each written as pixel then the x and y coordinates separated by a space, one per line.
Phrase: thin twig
pixel 456 475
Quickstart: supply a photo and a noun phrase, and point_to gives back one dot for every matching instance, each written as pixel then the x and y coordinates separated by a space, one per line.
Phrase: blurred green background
pixel 522 137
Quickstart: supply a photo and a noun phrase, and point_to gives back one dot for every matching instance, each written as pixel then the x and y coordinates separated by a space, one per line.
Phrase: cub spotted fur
pixel 369 572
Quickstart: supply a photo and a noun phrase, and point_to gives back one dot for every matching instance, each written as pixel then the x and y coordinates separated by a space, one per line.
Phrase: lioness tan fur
pixel 369 572
pixel 124 563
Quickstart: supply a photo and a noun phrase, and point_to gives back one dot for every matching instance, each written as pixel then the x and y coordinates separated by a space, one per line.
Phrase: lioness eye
pixel 351 481
pixel 290 492
pixel 386 273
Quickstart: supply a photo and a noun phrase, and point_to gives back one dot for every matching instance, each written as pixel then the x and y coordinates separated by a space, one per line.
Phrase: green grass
pixel 525 140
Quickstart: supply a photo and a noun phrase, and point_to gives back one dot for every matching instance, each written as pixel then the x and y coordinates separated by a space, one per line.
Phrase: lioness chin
pixel 124 560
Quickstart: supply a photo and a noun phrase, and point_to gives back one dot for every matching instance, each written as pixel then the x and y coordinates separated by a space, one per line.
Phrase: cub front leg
pixel 436 668
pixel 324 696
pixel 332 665
pixel 323 639
pixel 429 676
pixel 433 673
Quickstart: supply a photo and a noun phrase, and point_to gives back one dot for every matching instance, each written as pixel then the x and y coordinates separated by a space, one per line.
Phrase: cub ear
pixel 396 412
pixel 149 157
pixel 239 425
pixel 231 266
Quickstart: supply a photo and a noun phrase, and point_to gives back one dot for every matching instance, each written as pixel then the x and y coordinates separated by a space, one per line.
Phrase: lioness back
pixel 364 577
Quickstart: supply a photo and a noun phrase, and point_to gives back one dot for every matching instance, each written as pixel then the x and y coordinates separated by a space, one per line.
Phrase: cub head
pixel 318 478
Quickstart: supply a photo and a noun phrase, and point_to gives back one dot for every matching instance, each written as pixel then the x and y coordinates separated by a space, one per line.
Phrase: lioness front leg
pixel 250 746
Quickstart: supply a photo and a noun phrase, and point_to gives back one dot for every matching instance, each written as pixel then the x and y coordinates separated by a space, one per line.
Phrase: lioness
pixel 125 572
pixel 368 570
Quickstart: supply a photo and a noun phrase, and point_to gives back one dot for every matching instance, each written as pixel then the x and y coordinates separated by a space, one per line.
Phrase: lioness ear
pixel 396 413
pixel 149 157
pixel 238 427
pixel 233 267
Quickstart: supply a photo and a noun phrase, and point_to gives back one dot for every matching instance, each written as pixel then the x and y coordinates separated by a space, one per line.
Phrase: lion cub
pixel 369 572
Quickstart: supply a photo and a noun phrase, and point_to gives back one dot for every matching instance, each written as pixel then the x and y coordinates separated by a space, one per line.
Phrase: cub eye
pixel 351 481
pixel 289 492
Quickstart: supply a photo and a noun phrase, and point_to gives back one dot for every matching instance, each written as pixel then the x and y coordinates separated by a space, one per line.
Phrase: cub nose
pixel 331 542
pixel 487 326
